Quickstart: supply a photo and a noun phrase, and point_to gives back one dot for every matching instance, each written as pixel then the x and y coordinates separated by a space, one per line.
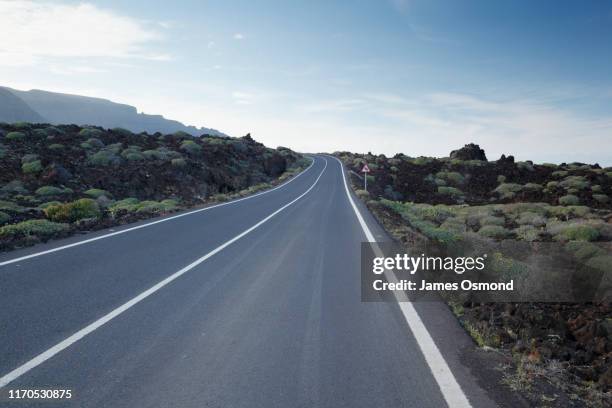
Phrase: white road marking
pixel 44 356
pixel 112 234
pixel 451 390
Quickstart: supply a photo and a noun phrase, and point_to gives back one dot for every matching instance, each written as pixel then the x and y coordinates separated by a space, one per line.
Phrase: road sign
pixel 365 170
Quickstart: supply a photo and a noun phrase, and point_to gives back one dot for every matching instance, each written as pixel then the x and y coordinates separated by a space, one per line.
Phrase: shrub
pixel 501 179
pixel 179 163
pixel 574 182
pixel 508 190
pixel 4 218
pixel 574 232
pixel 527 233
pixel 104 158
pixel 56 146
pixel 362 194
pixel 74 211
pixel 449 191
pixel 191 147
pixel 596 188
pixel 583 250
pixel 131 154
pixel 123 132
pixel 9 206
pixel 39 228
pixel 531 219
pixel 90 133
pixel 32 167
pixel 533 187
pixel 569 199
pixel 492 220
pixel 494 231
pixel 127 204
pixel 559 173
pixel 15 136
pixel 551 185
pixel 27 158
pixel 48 204
pixel 601 198
pixel 52 191
pixel 96 193
pixel 451 176
pixel 95 142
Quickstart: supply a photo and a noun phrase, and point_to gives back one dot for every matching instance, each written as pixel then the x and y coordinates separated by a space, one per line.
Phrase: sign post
pixel 365 170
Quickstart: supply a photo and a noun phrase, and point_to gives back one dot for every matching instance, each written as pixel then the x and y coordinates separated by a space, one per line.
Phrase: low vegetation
pixel 58 179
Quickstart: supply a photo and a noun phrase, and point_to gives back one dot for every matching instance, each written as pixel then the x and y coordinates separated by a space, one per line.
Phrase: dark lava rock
pixel 469 152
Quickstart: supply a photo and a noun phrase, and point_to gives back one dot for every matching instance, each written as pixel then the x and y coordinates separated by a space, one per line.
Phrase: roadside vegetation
pixel 57 180
pixel 553 351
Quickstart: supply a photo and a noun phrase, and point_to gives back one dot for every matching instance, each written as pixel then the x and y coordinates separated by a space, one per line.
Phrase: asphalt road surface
pixel 255 303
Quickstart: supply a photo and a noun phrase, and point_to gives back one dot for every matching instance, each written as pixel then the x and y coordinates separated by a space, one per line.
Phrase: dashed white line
pixel 44 356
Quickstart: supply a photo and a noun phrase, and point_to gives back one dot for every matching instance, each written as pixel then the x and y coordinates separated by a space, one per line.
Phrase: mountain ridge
pixel 41 106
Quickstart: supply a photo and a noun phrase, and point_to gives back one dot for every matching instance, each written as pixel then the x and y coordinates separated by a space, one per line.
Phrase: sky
pixel 420 77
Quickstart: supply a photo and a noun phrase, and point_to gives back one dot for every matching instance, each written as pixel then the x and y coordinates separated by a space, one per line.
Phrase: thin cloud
pixel 238 36
pixel 51 30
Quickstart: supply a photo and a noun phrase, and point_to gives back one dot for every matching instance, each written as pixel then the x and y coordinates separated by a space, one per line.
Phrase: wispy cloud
pixel 238 36
pixel 40 30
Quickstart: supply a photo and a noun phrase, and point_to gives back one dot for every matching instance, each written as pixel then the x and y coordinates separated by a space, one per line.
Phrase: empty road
pixel 254 303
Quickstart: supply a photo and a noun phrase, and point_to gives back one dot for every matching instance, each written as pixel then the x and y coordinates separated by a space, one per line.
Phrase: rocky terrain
pixel 55 180
pixel 555 351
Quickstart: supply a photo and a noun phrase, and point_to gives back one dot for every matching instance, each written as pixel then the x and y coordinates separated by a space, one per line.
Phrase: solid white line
pixel 44 356
pixel 112 234
pixel 451 390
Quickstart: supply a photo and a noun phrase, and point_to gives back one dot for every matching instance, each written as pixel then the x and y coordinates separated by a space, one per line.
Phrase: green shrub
pixel 501 179
pixel 575 183
pixel 532 219
pixel 95 142
pixel 596 188
pixel 179 163
pixel 583 250
pixel 90 133
pixel 451 176
pixel 508 190
pixel 123 132
pixel 96 193
pixel 104 158
pixel 494 231
pixel 450 191
pixel 131 154
pixel 569 199
pixel 56 146
pixel 527 233
pixel 27 158
pixel 15 136
pixel 48 204
pixel 73 211
pixel 551 185
pixel 533 187
pixel 492 220
pixel 362 194
pixel 48 191
pixel 42 229
pixel 574 232
pixel 601 198
pixel 127 204
pixel 4 218
pixel 33 167
pixel 559 173
pixel 191 147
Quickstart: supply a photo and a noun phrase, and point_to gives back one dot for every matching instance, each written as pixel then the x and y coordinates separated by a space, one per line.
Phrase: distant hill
pixel 56 108
pixel 13 109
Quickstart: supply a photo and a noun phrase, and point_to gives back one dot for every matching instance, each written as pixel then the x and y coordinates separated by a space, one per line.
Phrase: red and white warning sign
pixel 365 169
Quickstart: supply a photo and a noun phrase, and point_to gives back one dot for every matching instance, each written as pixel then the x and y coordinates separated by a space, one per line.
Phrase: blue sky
pixel 420 77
